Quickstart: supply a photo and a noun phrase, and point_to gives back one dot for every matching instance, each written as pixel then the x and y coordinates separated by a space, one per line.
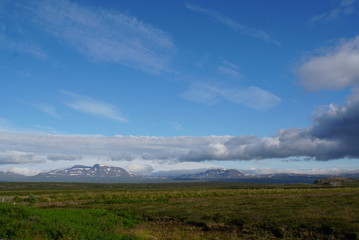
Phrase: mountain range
pixel 110 174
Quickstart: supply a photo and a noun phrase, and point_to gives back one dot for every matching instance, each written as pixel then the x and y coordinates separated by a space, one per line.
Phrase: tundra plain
pixel 178 211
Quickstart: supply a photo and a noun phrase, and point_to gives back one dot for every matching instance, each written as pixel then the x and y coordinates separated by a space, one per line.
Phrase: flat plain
pixel 178 211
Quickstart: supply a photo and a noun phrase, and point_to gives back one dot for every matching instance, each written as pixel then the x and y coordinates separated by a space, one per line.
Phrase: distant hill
pixel 214 174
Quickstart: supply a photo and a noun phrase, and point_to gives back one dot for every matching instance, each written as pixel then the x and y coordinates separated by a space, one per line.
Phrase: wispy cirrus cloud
pixel 46 108
pixel 92 106
pixel 252 32
pixel 229 69
pixel 253 97
pixel 15 41
pixel 101 34
pixel 220 82
pixel 340 8
pixel 176 126
pixel 21 46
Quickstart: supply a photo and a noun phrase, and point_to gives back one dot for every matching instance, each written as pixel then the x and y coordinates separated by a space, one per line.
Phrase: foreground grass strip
pixel 23 222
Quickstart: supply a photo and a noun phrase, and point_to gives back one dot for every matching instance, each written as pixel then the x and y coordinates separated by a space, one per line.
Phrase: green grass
pixel 179 211
pixel 23 222
pixel 324 215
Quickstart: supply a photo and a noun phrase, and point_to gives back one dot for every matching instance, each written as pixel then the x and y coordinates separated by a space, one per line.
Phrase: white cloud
pixel 122 156
pixel 18 157
pixel 138 168
pixel 336 68
pixel 287 143
pixel 252 97
pixel 91 106
pixel 117 148
pixel 255 33
pixel 23 171
pixel 312 142
pixel 64 157
pixel 103 35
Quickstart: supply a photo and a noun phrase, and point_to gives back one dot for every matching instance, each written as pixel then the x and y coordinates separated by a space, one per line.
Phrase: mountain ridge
pixel 217 173
pixel 97 170
pixel 111 174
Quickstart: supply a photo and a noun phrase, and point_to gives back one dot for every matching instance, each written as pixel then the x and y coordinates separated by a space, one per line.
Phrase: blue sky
pixel 160 85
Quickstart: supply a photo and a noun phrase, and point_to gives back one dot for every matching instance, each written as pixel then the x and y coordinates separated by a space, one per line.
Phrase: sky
pixel 263 86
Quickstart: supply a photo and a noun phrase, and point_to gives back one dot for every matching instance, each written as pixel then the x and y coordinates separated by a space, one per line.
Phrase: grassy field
pixel 178 211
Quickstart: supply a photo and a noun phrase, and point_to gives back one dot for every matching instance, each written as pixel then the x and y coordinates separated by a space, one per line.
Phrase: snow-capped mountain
pixel 215 174
pixel 96 170
pixel 97 173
